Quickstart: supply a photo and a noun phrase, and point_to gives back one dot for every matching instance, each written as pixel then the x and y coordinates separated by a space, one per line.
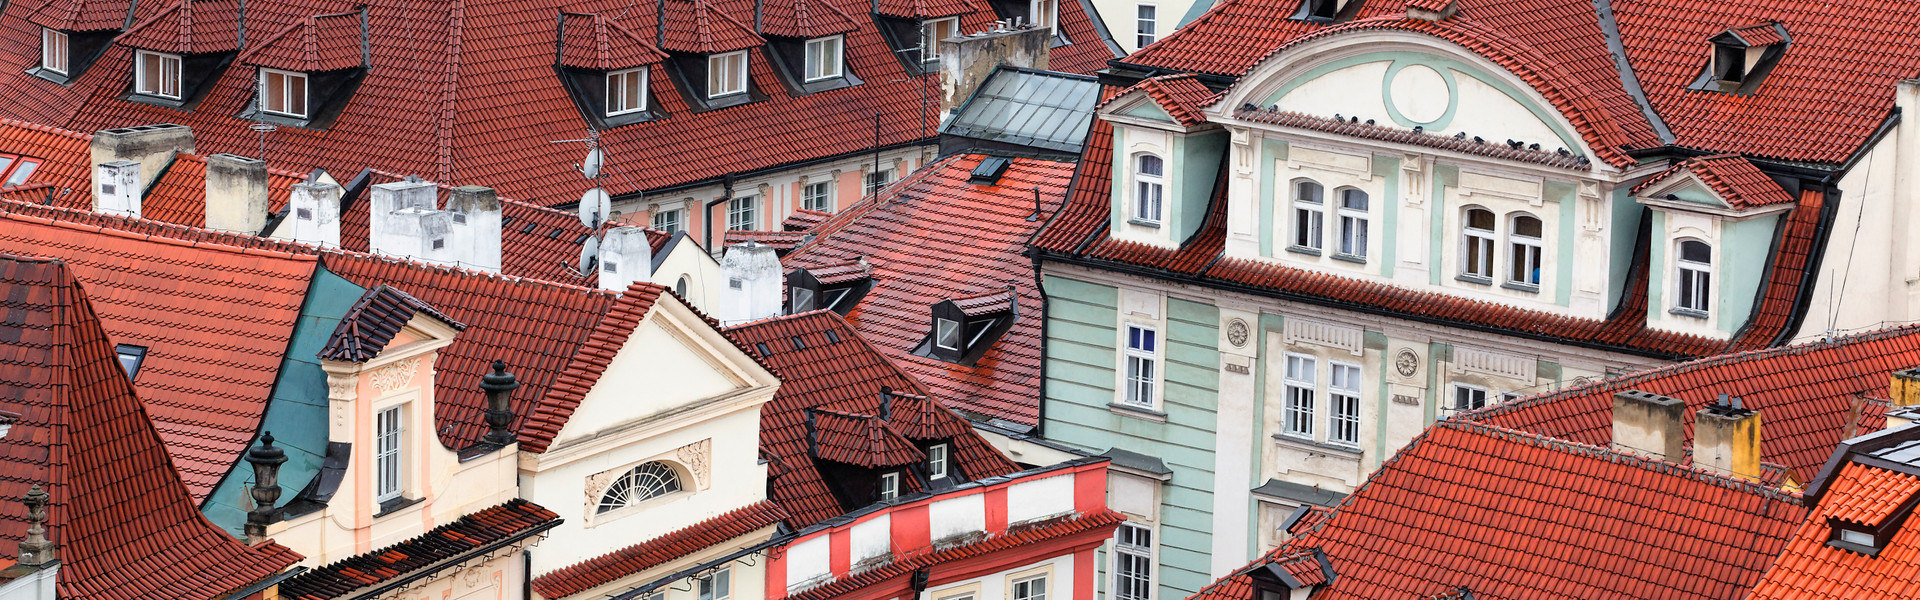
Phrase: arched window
pixel 1476 257
pixel 1523 250
pixel 1309 209
pixel 1148 173
pixel 645 482
pixel 1694 279
pixel 1353 223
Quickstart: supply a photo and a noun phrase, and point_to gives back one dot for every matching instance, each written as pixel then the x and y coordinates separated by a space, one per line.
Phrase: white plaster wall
pixel 809 560
pixel 872 537
pixel 1351 91
pixel 957 516
pixel 1485 111
pixel 689 260
pixel 1030 500
pixel 1060 583
pixel 654 372
pixel 1122 16
pixel 1865 277
pixel 1235 443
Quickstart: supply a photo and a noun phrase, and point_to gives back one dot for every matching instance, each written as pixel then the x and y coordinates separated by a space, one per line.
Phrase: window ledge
pixel 1473 279
pixel 51 75
pixel 1352 258
pixel 1521 287
pixel 1144 414
pixel 395 505
pixel 1144 223
pixel 1304 250
pixel 1689 313
pixel 1869 551
pixel 1338 450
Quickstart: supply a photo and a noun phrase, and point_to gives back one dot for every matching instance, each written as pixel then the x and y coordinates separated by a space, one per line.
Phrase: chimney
pixel 153 146
pixel 1649 425
pixel 755 283
pixel 1726 439
pixel 476 227
pixel 313 215
pixel 116 188
pixel 1905 388
pixel 35 548
pixel 967 60
pixel 625 257
pixel 266 461
pixel 402 222
pixel 499 386
pixel 236 194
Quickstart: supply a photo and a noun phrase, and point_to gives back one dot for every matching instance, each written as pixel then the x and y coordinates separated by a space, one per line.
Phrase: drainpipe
pixel 707 217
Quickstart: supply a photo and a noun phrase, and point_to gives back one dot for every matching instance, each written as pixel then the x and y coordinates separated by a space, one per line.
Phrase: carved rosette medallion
pixel 1406 363
pixel 1237 332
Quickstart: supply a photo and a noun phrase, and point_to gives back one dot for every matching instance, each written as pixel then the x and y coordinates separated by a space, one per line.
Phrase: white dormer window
pixel 889 486
pixel 824 57
pixel 1476 254
pixel 937 461
pixel 53 50
pixel 626 91
pixel 387 438
pixel 1523 245
pixel 931 32
pixel 1353 223
pixel 727 74
pixel 1149 188
pixel 283 92
pixel 1045 13
pixel 157 74
pixel 1694 277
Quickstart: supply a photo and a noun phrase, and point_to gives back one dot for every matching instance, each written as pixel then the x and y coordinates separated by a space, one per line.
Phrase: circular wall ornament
pixel 1237 333
pixel 1406 363
pixel 1420 94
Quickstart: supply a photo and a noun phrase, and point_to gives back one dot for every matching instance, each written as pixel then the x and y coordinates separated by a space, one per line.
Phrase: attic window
pixel 762 347
pixel 14 170
pixel 283 93
pixel 836 287
pixel 801 300
pixel 130 358
pixel 964 328
pixel 54 51
pixel 626 91
pixel 946 334
pixel 1742 57
pixel 1326 11
pixel 726 74
pixel 1729 63
pixel 157 74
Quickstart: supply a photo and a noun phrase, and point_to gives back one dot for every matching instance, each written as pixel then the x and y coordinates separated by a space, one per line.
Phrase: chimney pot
pixel 117 189
pixel 1649 425
pixel 1726 439
pixel 755 283
pixel 403 222
pixel 236 194
pixel 499 386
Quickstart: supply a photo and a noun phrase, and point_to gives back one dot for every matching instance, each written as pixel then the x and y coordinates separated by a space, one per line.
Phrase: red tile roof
pixel 123 524
pixel 849 375
pixel 858 439
pixel 1764 34
pixel 68 162
pixel 700 27
pixel 1096 524
pixel 188 27
pixel 921 9
pixel 672 546
pixel 1804 394
pixel 986 303
pixel 803 219
pixel 179 196
pixel 590 360
pixel 594 42
pixel 1809 569
pixel 934 236
pixel 371 323
pixel 1182 96
pixel 78 15
pixel 312 44
pixel 1734 178
pixel 1429 5
pixel 514 520
pixel 805 19
pixel 1511 515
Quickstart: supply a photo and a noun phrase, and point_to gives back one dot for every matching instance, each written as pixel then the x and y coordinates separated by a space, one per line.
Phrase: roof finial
pixel 499 386
pixel 266 460
pixel 36 549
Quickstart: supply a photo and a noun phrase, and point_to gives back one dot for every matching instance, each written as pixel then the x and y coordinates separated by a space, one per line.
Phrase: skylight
pixel 130 358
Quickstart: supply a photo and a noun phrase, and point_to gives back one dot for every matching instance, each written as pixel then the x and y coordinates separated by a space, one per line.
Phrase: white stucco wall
pixel 996 586
pixel 1867 274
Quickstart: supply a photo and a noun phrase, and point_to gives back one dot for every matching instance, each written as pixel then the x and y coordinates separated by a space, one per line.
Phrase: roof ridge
pixel 46 129
pixel 15 216
pixel 1622 458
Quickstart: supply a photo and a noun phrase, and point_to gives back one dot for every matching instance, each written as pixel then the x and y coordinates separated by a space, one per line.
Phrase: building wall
pixel 1122 19
pixel 501 576
pixel 1059 572
pixel 702 274
pixel 778 194
pixel 1867 276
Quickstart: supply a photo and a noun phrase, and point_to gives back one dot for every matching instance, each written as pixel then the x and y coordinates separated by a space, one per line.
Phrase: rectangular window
pixel 1133 562
pixel 740 213
pixel 823 58
pixel 1142 362
pixel 1300 384
pixel 716 585
pixel 726 74
pixel 818 196
pixel 931 32
pixel 1343 394
pixel 283 92
pixel 946 334
pixel 53 50
pixel 802 299
pixel 1524 242
pixel 1148 25
pixel 1031 588
pixel 889 486
pixel 130 358
pixel 1147 176
pixel 937 461
pixel 1695 265
pixel 157 74
pixel 875 181
pixel 1043 13
pixel 626 91
pixel 1468 397
pixel 386 454
pixel 1353 223
pixel 1308 211
pixel 667 221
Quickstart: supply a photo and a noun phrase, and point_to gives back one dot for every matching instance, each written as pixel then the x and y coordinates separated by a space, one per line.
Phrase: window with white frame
pixel 1043 13
pixel 1695 266
pixel 1353 223
pixel 817 196
pixel 931 32
pixel 823 57
pixel 626 91
pixel 1309 209
pixel 802 299
pixel 1343 398
pixel 1142 363
pixel 937 461
pixel 53 50
pixel 1132 562
pixel 387 433
pixel 1476 254
pixel 1149 188
pixel 283 92
pixel 878 180
pixel 1148 24
pixel 889 486
pixel 741 213
pixel 726 74
pixel 946 334
pixel 1468 397
pixel 1300 383
pixel 642 483
pixel 1523 251
pixel 156 74
pixel 717 585
pixel 667 221
pixel 1031 588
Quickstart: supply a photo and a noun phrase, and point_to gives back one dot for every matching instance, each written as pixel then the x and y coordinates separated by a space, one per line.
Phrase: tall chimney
pixel 1726 439
pixel 236 194
pixel 153 146
pixel 313 214
pixel 1905 388
pixel 266 460
pixel 967 60
pixel 116 188
pixel 755 283
pixel 625 257
pixel 1649 425
pixel 499 386
pixel 35 548
pixel 476 227
pixel 402 222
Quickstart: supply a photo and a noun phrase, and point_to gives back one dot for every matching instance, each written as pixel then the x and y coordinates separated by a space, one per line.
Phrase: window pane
pixel 297 92
pixel 1696 251
pixel 1353 199
pixel 276 91
pixel 1151 165
pixel 1480 219
pixel 1527 226
pixel 1308 192
pixel 947 334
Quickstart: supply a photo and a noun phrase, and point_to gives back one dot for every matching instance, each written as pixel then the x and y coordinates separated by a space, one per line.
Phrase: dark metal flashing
pixel 1136 461
pixel 1306 495
pixel 269 581
pixel 1100 28
pixel 403 582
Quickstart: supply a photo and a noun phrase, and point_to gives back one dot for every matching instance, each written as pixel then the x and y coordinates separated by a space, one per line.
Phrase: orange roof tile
pixel 1809 569
pixel 1182 96
pixel 1734 178
pixel 679 543
pixel 315 43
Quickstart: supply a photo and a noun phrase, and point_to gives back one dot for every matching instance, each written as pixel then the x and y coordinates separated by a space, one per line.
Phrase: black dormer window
pixel 962 330
pixel 1741 58
pixel 837 288
pixel 626 91
pixel 64 55
pixel 811 66
pixel 156 74
pixel 1729 63
pixel 1326 11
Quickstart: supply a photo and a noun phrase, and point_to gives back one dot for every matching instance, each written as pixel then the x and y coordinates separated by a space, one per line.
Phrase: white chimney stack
pixel 236 194
pixel 754 283
pixel 404 223
pixel 625 257
pixel 476 227
pixel 116 188
pixel 313 215
pixel 153 146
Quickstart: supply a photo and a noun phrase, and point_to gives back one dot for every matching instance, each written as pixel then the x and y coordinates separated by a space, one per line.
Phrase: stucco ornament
pixel 1237 333
pixel 1406 363
pixel 695 457
pixel 396 375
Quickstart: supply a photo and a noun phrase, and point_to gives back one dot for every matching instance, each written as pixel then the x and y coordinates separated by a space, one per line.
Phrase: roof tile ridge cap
pixel 581 568
pixel 461 271
pixel 450 92
pixel 147 237
pixel 1689 471
pixel 32 126
pixel 623 29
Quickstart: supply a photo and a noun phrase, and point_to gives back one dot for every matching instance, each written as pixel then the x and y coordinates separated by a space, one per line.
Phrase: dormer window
pixel 727 74
pixel 1045 13
pixel 54 51
pixel 889 486
pixel 130 358
pixel 834 287
pixel 964 328
pixel 626 91
pixel 1325 11
pixel 824 58
pixel 1729 63
pixel 937 461
pixel 1741 57
pixel 946 334
pixel 1149 188
pixel 283 93
pixel 931 32
pixel 1693 278
pixel 157 74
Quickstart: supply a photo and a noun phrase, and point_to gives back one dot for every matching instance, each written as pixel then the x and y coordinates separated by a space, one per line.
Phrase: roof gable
pixel 376 321
pixel 697 26
pixel 188 27
pixel 313 44
pixel 1175 98
pixel 590 41
pixel 1726 179
pixel 804 19
pixel 81 15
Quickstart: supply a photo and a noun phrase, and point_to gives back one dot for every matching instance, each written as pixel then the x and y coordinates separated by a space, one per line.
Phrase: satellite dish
pixel 595 205
pixel 591 166
pixel 589 254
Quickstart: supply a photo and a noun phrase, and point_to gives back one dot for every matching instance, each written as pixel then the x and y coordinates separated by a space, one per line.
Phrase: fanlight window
pixel 645 482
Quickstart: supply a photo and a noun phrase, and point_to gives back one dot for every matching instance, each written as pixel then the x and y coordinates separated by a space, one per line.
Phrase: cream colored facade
pixel 775 195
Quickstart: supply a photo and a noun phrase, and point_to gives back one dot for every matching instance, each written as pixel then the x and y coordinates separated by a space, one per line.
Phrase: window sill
pixel 1304 250
pixel 1144 223
pixel 1352 258
pixel 1689 313
pixel 395 505
pixel 1521 287
pixel 1144 414
pixel 1473 279
pixel 1337 450
pixel 51 75
pixel 1868 551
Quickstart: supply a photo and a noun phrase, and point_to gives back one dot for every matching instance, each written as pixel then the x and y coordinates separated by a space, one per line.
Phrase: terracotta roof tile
pixel 1370 131
pixel 853 270
pixel 179 196
pixel 1809 569
pixel 595 42
pixel 1764 34
pixel 1182 96
pixel 515 518
pixel 698 26
pixel 780 241
pixel 804 19
pixel 188 27
pixel 1092 525
pixel 921 9
pixel 78 15
pixel 590 360
pixel 672 546
pixel 313 44
pixel 1734 178
pixel 67 161
pixel 859 439
pixel 986 303
pixel 371 323
pixel 803 219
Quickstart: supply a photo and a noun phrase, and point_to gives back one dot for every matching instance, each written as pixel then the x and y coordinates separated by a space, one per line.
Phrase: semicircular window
pixel 645 482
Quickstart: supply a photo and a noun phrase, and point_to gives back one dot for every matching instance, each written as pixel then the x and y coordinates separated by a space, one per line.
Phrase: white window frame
pixel 878 180
pixel 941 328
pixel 140 74
pixel 55 44
pixel 627 105
pixel 719 584
pixel 1146 28
pixel 817 196
pixel 286 79
pixel 838 63
pixel 1309 217
pixel 1694 275
pixel 737 80
pixel 1132 562
pixel 1014 586
pixel 1453 396
pixel 889 486
pixel 1300 387
pixel 1353 223
pixel 742 213
pixel 1149 190
pixel 667 220
pixel 937 456
pixel 1046 13
pixel 930 36
pixel 1484 238
pixel 1344 382
pixel 1141 367
pixel 1524 249
pixel 389 452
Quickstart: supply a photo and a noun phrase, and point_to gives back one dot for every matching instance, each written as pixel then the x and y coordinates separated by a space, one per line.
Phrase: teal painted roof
pixel 1041 109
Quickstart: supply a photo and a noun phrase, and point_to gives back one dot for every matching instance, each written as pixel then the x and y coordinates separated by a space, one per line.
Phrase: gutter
pixel 455 561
